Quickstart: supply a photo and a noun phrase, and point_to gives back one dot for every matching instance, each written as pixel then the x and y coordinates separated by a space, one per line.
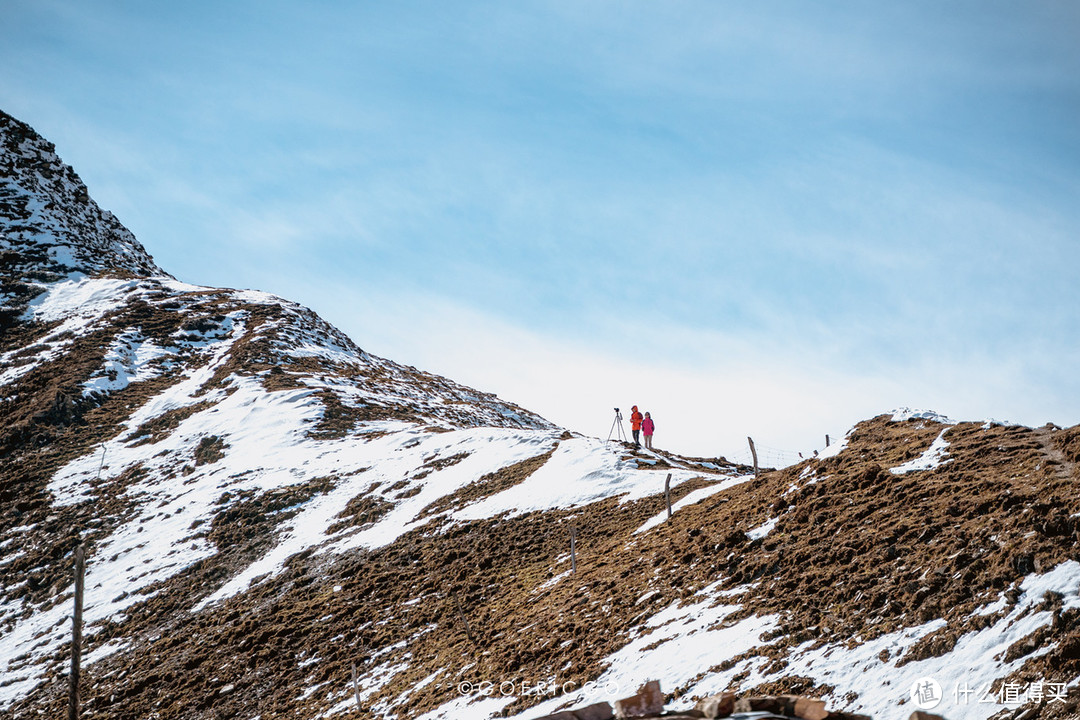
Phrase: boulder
pixel 763 703
pixel 920 715
pixel 648 701
pixel 716 706
pixel 810 709
pixel 597 711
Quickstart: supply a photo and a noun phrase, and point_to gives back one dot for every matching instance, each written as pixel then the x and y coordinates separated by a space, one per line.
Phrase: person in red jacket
pixel 635 424
pixel 647 427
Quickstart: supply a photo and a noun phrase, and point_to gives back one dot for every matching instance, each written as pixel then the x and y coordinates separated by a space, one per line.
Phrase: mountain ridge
pixel 266 506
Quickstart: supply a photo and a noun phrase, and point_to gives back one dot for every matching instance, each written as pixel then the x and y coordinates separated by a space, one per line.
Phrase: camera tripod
pixel 617 428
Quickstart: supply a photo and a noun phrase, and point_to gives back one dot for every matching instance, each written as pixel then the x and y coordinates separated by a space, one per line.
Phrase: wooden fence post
pixel 76 634
pixel 826 441
pixel 573 549
pixel 356 688
pixel 667 494
pixel 753 451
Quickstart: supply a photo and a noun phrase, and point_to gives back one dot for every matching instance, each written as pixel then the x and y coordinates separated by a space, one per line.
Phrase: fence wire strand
pixel 771 457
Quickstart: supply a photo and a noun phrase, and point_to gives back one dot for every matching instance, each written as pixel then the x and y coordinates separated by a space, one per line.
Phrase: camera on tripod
pixel 617 428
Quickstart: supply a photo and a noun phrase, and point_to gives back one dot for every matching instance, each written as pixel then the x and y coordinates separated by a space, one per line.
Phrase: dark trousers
pixel 636 442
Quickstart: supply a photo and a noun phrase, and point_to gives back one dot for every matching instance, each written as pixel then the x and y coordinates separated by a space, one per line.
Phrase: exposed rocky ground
pixel 265 506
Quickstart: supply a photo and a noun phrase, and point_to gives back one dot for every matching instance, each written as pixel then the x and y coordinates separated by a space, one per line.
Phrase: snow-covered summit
pixel 904 413
pixel 49 225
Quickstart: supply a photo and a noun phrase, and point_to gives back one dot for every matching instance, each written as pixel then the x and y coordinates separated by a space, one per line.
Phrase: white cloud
pixel 707 392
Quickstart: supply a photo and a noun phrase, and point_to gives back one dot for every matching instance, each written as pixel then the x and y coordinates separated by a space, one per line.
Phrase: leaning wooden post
pixel 76 634
pixel 826 441
pixel 667 494
pixel 573 549
pixel 464 620
pixel 356 689
pixel 753 451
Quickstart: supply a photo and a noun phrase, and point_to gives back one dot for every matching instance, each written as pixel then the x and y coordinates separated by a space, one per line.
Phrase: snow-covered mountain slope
pixel 265 506
pixel 142 415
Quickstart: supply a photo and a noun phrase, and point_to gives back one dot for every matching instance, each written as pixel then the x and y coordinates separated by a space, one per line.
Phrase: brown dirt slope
pixel 857 551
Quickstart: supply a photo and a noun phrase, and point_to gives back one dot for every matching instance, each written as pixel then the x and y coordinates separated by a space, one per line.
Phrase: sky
pixel 770 219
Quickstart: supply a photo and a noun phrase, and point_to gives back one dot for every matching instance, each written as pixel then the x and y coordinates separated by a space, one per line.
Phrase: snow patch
pixel 581 471
pixel 933 457
pixel 834 449
pixel 903 414
pixel 762 530
pixel 130 358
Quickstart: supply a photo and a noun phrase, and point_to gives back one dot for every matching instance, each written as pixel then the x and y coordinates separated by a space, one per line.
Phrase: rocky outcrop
pixel 49 225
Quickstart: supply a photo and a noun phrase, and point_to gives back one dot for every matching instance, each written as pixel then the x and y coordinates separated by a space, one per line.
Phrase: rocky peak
pixel 49 225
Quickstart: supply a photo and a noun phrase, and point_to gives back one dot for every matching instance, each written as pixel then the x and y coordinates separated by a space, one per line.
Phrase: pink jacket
pixel 647 426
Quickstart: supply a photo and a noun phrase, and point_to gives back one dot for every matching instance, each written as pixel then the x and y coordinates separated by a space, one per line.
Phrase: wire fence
pixel 771 457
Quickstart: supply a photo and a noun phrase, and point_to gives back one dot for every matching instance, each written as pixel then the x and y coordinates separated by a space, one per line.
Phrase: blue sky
pixel 770 219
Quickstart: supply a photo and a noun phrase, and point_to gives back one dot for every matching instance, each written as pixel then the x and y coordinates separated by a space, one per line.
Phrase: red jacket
pixel 647 426
pixel 635 419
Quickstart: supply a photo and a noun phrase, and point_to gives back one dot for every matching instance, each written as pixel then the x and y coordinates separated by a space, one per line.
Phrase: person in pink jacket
pixel 647 427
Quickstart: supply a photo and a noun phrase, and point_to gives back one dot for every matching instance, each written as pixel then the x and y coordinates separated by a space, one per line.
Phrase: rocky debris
pixel 920 715
pixel 793 706
pixel 648 703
